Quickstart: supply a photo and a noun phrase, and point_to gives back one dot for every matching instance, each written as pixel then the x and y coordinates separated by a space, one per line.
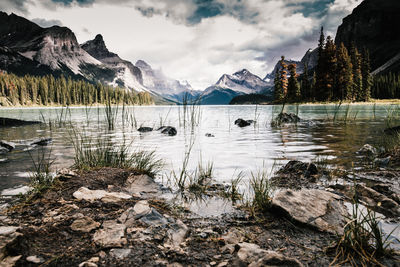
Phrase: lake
pixel 231 150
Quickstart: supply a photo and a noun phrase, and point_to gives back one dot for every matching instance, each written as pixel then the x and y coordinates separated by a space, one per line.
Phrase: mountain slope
pixel 374 25
pixel 229 86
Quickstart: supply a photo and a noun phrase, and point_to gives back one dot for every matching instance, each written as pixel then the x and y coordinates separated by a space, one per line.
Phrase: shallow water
pixel 233 149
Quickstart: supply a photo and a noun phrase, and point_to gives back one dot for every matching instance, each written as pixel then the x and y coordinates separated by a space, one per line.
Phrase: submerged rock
pixel 243 123
pixel 255 256
pixel 111 235
pixel 84 193
pixel 8 122
pixel 368 150
pixel 283 118
pixel 392 130
pixel 168 130
pixel 142 186
pixel 299 167
pixel 42 142
pixel 145 129
pixel 209 135
pixel 7 145
pixel 317 208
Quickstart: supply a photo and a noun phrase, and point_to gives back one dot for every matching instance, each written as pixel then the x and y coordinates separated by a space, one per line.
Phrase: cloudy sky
pixel 194 40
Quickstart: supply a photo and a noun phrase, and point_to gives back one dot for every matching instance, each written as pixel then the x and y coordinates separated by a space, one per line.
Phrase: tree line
pixel 48 90
pixel 340 75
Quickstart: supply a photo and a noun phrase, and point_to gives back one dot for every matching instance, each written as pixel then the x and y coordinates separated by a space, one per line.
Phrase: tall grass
pixel 111 114
pixel 233 192
pixel 262 191
pixel 363 241
pixel 41 177
pixel 191 112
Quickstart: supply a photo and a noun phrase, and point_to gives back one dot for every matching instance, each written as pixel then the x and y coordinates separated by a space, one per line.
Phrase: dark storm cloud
pixel 13 5
pixel 205 9
pixel 47 23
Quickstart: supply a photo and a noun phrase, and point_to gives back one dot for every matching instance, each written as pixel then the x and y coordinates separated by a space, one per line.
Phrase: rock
pixel 7 230
pixel 142 186
pixel 3 150
pixel 42 142
pixel 120 253
pixel 87 264
pixel 392 130
pixel 284 118
pixel 145 129
pixel 84 193
pixel 140 209
pixel 243 123
pixel 168 130
pixel 154 218
pixel 209 135
pixel 34 259
pixel 10 261
pixel 177 233
pixel 7 122
pixel 16 191
pixel 84 224
pixel 382 162
pixel 253 255
pixel 7 145
pixel 317 208
pixel 298 167
pixel 232 237
pixel 111 235
pixel 367 150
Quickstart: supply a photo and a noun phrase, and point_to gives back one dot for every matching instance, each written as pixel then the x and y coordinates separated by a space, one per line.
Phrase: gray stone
pixel 154 218
pixel 382 162
pixel 142 186
pixel 168 130
pixel 145 129
pixel 84 193
pixel 16 191
pixel 317 208
pixel 34 259
pixel 8 230
pixel 7 145
pixel 253 255
pixel 111 235
pixel 84 224
pixel 367 150
pixel 120 253
pixel 42 142
pixel 177 233
pixel 10 261
pixel 87 264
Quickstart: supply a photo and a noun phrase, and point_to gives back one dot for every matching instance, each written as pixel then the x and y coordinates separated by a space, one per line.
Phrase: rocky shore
pixel 116 217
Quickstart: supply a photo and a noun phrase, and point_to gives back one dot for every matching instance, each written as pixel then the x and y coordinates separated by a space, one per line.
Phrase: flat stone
pixel 34 259
pixel 84 224
pixel 177 233
pixel 84 193
pixel 120 253
pixel 87 264
pixel 255 256
pixel 111 235
pixel 8 230
pixel 141 208
pixel 154 218
pixel 10 261
pixel 16 191
pixel 142 186
pixel 317 208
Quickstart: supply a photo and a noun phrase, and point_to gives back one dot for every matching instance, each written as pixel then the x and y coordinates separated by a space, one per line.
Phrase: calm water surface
pixel 233 149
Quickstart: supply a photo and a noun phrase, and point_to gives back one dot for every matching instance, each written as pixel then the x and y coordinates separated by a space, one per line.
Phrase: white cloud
pixel 247 34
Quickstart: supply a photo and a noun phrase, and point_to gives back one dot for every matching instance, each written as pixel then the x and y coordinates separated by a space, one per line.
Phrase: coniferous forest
pixel 341 74
pixel 48 90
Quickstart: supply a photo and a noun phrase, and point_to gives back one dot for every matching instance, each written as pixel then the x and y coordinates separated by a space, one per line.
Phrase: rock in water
pixel 299 167
pixel 317 208
pixel 42 142
pixel 145 129
pixel 283 118
pixel 7 145
pixel 7 122
pixel 168 130
pixel 111 235
pixel 243 123
pixel 367 150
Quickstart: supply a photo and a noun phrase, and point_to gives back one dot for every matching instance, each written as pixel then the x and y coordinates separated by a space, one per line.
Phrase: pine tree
pixel 283 80
pixel 277 88
pixel 306 93
pixel 356 61
pixel 366 76
pixel 293 91
pixel 320 71
pixel 344 75
pixel 330 62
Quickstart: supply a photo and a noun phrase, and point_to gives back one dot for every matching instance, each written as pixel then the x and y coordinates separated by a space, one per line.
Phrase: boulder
pixel 84 193
pixel 145 129
pixel 255 256
pixel 243 123
pixel 168 130
pixel 111 235
pixel 142 186
pixel 299 167
pixel 284 118
pixel 7 145
pixel 7 122
pixel 42 142
pixel 367 150
pixel 319 209
pixel 84 224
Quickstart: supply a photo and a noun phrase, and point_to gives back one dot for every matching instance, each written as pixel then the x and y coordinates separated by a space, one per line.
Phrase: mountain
pixel 374 25
pixel 229 86
pixel 157 83
pixel 27 48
